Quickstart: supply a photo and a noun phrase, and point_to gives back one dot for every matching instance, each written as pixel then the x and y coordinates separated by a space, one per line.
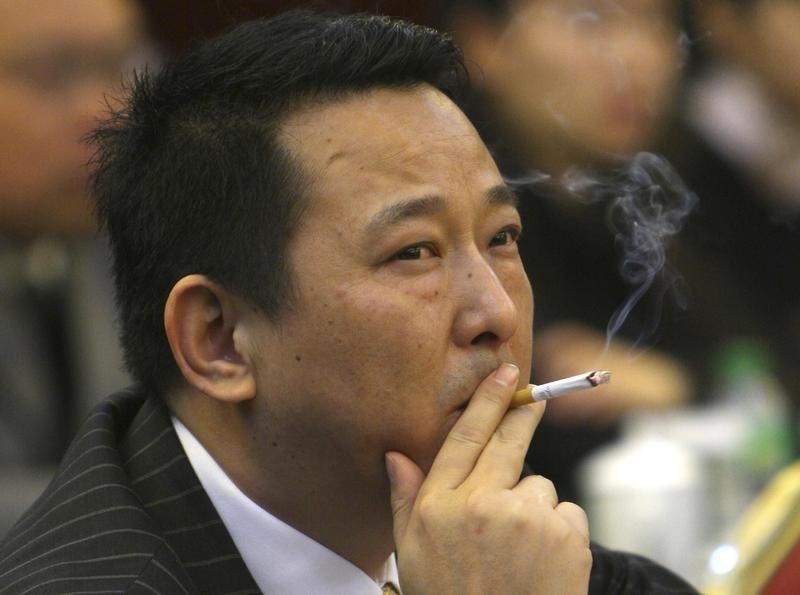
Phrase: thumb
pixel 405 480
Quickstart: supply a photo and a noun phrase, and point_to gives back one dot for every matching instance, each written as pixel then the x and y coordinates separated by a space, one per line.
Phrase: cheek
pixel 382 364
pixel 371 340
pixel 662 71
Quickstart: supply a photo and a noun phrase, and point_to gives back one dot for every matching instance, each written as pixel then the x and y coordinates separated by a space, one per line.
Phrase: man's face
pixel 590 75
pixel 409 286
pixel 57 58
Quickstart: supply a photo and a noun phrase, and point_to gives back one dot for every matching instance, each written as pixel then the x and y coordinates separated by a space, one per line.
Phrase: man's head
pixel 219 167
pixel 57 58
pixel 573 80
pixel 192 177
pixel 306 224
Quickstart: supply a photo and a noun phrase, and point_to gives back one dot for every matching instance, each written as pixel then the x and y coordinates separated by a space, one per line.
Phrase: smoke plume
pixel 647 204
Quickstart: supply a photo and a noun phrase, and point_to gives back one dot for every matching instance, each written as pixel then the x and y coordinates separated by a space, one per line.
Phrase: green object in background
pixel 746 382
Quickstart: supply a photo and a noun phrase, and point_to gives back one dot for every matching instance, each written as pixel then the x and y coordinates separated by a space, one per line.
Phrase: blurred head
pixel 761 36
pixel 573 80
pixel 57 58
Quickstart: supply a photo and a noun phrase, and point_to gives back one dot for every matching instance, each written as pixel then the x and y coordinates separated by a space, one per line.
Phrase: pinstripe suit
pixel 127 514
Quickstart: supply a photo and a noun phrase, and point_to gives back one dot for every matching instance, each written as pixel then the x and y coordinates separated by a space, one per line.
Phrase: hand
pixel 643 380
pixel 471 526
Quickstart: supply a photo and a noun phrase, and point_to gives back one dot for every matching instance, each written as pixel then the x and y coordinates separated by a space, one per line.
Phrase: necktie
pixel 389 589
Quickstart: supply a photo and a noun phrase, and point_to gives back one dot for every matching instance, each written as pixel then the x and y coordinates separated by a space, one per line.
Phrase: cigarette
pixel 534 393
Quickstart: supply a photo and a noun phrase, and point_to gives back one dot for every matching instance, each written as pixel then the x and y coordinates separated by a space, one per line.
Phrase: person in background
pixel 569 91
pixel 57 344
pixel 323 303
pixel 737 144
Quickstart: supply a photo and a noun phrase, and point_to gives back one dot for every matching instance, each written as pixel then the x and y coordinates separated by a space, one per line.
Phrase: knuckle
pixel 468 435
pixel 569 539
pixel 495 396
pixel 542 489
pixel 523 521
pixel 429 509
pixel 480 508
pixel 511 438
pixel 546 486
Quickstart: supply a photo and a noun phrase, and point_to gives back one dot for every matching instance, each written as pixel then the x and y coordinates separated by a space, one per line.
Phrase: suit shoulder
pixel 89 525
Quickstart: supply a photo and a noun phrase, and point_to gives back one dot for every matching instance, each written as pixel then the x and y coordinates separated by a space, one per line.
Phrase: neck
pixel 307 488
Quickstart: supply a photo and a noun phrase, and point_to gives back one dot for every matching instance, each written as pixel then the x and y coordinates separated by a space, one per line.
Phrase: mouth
pixel 470 382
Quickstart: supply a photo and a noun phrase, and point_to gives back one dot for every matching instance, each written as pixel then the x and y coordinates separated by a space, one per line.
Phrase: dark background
pixel 176 24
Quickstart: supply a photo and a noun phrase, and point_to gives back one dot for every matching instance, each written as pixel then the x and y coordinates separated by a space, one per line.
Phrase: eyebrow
pixel 502 194
pixel 398 212
pixel 427 205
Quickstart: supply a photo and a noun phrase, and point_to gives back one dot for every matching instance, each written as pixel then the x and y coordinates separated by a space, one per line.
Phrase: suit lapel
pixel 170 491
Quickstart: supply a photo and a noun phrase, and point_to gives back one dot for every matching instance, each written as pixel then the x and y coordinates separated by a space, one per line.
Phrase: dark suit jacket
pixel 127 514
pixel 124 514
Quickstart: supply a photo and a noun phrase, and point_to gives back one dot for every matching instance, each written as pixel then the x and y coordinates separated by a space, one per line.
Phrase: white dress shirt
pixel 280 558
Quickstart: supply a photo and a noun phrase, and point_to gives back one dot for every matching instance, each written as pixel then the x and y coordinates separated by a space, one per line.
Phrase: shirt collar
pixel 280 558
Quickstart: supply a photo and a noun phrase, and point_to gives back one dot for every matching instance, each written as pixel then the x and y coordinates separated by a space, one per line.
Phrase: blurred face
pixel 57 57
pixel 409 286
pixel 589 76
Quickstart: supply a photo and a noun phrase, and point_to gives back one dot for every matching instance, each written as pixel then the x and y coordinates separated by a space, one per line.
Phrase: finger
pixel 473 430
pixel 405 479
pixel 576 517
pixel 500 463
pixel 537 490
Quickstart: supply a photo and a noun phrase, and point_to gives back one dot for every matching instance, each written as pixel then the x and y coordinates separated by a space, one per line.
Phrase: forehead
pixel 388 143
pixel 667 8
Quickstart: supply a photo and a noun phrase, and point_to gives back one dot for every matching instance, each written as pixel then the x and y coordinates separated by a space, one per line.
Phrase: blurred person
pixel 322 300
pixel 57 344
pixel 737 144
pixel 746 101
pixel 568 88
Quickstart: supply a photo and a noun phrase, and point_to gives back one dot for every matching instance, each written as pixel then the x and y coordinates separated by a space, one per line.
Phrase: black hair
pixel 189 176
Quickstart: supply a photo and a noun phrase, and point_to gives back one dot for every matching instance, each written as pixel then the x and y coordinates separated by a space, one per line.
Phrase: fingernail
pixel 507 374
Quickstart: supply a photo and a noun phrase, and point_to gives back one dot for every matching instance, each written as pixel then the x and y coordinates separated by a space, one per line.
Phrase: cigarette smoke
pixel 647 204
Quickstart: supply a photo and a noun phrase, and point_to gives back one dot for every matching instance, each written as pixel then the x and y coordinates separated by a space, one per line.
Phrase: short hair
pixel 189 176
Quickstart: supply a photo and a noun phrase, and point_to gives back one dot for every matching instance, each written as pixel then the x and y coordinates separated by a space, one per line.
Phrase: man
pixel 58 353
pixel 321 297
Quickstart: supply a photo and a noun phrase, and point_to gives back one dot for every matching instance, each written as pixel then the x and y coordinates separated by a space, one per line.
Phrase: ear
pixel 203 322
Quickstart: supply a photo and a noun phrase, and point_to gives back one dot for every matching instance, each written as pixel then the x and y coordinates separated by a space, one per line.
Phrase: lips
pixel 469 381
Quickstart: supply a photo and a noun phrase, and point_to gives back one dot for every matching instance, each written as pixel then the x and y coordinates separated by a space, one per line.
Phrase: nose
pixel 487 315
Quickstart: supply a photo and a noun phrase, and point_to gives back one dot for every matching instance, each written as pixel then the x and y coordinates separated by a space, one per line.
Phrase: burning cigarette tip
pixel 599 377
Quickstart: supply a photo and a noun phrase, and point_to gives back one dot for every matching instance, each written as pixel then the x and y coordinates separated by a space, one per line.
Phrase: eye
pixel 505 237
pixel 416 252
